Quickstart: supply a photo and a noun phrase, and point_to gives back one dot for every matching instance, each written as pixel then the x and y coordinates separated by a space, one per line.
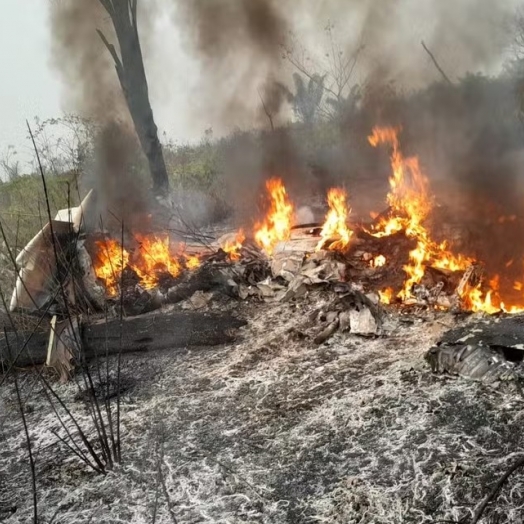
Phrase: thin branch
pixel 28 440
pixel 266 110
pixel 111 48
pixel 493 493
pixel 436 64
pixel 119 361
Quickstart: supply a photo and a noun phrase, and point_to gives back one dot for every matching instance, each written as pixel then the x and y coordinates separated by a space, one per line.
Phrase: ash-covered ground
pixel 274 429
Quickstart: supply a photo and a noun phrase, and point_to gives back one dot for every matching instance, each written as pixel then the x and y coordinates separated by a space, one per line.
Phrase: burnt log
pixel 143 333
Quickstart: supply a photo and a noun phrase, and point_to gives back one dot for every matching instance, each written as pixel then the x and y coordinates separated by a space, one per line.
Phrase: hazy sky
pixel 31 87
pixel 28 87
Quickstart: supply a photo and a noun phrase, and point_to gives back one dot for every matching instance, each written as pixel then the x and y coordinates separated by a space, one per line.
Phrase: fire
pixel 489 301
pixel 476 301
pixel 153 258
pixel 386 296
pixel 335 228
pixel 109 263
pixel 409 188
pixel 410 204
pixel 191 261
pixel 277 224
pixel 232 248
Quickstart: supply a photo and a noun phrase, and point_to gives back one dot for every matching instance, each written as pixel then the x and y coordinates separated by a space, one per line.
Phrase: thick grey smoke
pixel 88 73
pixel 238 43
pixel 92 89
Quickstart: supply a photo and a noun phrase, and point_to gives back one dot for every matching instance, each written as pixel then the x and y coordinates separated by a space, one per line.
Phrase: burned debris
pixel 359 273
pixel 488 350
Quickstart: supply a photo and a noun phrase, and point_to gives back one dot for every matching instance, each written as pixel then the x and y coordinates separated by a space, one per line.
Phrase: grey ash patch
pixel 273 429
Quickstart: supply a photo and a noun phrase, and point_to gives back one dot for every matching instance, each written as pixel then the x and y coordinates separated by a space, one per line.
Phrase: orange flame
pixel 232 248
pixel 277 225
pixel 475 300
pixel 335 228
pixel 109 262
pixel 410 204
pixel 153 258
pixel 386 296
pixel 191 261
pixel 478 301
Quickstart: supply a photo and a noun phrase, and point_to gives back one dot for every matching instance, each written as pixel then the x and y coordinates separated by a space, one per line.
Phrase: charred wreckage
pixel 105 292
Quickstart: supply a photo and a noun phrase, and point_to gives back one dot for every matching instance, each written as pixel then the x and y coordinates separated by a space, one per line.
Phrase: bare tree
pixel 64 144
pixel 333 73
pixel 132 76
pixel 9 164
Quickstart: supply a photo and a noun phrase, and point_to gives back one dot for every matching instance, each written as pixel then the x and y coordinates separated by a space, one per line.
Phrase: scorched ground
pixel 273 428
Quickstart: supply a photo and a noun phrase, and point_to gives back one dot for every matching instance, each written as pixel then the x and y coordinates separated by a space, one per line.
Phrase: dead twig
pixel 119 361
pixel 107 456
pixel 493 493
pixel 266 110
pixel 28 440
pixel 436 64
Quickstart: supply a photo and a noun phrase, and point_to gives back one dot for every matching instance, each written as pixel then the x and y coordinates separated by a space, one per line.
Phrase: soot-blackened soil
pixel 273 429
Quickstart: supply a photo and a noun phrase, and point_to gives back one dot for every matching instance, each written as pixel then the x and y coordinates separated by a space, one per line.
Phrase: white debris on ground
pixel 277 429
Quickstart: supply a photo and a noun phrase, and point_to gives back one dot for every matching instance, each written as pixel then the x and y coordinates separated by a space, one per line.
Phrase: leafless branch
pixel 266 110
pixel 436 64
pixel 111 48
pixel 28 441
pixel 496 488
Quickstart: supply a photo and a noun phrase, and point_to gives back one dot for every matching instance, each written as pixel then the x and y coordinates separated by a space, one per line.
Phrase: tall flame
pixel 110 260
pixel 277 224
pixel 410 204
pixel 335 228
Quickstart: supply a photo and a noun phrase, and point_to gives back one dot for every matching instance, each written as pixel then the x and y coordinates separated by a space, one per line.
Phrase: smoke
pixel 120 190
pixel 469 35
pixel 92 89
pixel 238 43
pixel 91 85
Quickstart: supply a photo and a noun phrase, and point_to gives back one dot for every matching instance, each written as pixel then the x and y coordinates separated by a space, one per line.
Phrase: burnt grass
pixel 273 429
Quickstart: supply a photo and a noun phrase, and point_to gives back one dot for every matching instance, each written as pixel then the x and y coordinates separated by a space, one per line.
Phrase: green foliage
pixel 23 207
pixel 192 167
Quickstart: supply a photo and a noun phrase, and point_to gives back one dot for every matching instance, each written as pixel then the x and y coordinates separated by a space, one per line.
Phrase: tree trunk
pixel 131 73
pixel 150 332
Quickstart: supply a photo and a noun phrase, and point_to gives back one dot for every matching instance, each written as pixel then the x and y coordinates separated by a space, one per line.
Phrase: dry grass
pixel 273 429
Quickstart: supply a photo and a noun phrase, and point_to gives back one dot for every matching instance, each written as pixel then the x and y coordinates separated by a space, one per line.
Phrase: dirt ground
pixel 274 429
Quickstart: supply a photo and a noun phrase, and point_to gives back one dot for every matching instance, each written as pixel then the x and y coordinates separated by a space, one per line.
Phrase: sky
pixel 31 87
